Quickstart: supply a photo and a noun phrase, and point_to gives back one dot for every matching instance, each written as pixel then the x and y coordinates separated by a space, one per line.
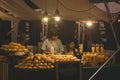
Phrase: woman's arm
pixel 61 47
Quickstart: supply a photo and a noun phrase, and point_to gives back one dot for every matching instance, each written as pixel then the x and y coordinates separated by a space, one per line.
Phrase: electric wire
pixel 62 4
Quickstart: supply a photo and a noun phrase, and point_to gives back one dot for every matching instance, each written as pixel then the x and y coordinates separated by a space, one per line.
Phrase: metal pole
pixel 78 31
pixel 43 30
pixel 79 41
pixel 83 35
pixel 47 29
pixel 14 31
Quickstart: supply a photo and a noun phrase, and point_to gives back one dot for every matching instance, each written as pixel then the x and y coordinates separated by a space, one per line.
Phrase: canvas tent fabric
pixel 113 6
pixel 75 10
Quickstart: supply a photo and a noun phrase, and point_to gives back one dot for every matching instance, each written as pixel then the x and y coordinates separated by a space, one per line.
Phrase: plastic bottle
pixel 52 50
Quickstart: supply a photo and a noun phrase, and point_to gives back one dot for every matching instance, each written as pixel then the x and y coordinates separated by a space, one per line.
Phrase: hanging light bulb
pixel 57 15
pixel 118 20
pixel 57 18
pixel 89 23
pixel 45 15
pixel 45 19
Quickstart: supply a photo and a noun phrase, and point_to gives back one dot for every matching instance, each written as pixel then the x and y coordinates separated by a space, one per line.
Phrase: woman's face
pixel 54 37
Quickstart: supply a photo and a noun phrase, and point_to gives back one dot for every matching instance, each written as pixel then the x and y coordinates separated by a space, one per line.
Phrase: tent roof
pixel 71 10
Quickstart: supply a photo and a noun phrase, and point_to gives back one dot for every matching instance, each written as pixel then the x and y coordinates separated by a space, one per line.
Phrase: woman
pixel 70 48
pixel 52 45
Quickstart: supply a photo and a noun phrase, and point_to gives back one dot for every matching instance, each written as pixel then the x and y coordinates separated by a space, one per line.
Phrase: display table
pixel 45 74
pixel 107 73
pixel 40 66
pixel 62 71
pixel 68 70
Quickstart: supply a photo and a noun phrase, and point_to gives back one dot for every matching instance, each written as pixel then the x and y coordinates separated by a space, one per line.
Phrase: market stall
pixel 39 66
pixel 20 61
pixel 57 67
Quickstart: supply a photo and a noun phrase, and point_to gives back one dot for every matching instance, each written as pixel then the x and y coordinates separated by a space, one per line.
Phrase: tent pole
pixel 79 27
pixel 14 31
pixel 111 24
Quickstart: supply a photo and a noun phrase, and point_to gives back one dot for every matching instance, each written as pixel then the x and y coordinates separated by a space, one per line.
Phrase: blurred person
pixel 52 44
pixel 70 49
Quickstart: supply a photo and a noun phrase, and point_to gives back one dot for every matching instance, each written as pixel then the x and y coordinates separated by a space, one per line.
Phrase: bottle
pixel 76 53
pixel 52 50
pixel 93 48
pixel 101 48
pixel 97 48
pixel 81 48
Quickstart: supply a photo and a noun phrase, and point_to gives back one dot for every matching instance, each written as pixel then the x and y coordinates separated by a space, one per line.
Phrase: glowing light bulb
pixel 89 23
pixel 57 18
pixel 45 19
pixel 118 20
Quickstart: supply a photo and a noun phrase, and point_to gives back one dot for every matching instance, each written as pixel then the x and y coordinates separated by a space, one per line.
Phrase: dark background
pixel 66 30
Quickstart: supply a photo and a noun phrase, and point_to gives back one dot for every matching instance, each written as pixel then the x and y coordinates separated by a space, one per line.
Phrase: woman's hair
pixel 52 34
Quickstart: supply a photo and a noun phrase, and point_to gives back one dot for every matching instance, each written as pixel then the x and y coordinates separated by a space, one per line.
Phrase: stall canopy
pixel 75 10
